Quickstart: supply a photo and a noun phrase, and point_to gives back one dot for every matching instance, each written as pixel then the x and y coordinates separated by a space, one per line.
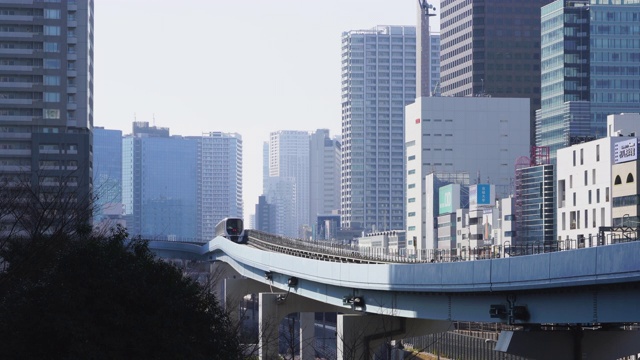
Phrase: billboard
pixel 448 198
pixel 624 151
pixel 482 195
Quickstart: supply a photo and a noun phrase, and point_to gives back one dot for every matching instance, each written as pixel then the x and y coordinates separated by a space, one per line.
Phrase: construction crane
pixel 436 90
pixel 426 7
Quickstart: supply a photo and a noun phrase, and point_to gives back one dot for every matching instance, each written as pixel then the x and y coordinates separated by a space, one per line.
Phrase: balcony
pixel 18 34
pixel 12 18
pixel 16 118
pixel 15 168
pixel 13 68
pixel 18 152
pixel 17 101
pixel 18 51
pixel 14 135
pixel 8 84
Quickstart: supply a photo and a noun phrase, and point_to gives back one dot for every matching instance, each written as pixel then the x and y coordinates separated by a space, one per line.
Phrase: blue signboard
pixel 484 194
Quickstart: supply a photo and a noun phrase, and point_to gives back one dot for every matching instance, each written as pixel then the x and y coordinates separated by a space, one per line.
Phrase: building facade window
pixel 51 13
pixel 52 30
pixel 51 47
pixel 51 63
pixel 51 97
pixel 51 80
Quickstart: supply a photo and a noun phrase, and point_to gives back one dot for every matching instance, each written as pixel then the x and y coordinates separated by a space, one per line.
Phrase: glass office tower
pixel 491 48
pixel 589 69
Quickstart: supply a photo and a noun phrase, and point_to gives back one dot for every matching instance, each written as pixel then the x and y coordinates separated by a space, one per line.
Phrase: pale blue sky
pixel 250 67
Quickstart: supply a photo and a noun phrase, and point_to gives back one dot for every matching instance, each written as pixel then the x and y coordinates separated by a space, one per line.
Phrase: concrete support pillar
pixel 269 323
pixel 234 290
pixel 570 344
pixel 359 336
pixel 349 337
pixel 307 336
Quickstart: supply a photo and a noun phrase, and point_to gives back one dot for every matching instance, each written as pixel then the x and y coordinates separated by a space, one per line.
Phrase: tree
pixel 101 297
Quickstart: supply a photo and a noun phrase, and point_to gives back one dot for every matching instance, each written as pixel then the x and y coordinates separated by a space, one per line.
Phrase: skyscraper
pixel 288 187
pixel 175 186
pixel 107 169
pixel 46 95
pixel 589 69
pixel 491 47
pixel 324 165
pixel 159 186
pixel 378 80
pixel 219 183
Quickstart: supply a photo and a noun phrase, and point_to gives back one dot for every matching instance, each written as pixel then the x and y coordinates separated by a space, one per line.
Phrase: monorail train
pixel 232 229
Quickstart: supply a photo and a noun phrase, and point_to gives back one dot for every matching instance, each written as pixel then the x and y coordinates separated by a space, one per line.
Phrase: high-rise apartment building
pixel 107 170
pixel 324 167
pixel 46 95
pixel 589 69
pixel 378 80
pixel 219 185
pixel 289 179
pixel 180 187
pixel 491 47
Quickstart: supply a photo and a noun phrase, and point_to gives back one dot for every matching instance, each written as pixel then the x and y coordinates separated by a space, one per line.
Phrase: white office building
pixel 586 188
pixel 378 80
pixel 479 136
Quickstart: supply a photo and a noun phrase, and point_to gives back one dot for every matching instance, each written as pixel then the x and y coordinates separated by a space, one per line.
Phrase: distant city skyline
pixel 249 67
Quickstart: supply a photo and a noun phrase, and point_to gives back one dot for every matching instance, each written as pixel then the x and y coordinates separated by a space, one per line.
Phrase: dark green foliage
pixel 91 297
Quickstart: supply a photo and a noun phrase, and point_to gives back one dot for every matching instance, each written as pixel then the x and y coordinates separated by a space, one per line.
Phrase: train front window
pixel 234 226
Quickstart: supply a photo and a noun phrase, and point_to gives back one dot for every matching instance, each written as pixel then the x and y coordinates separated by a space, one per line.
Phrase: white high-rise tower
pixel 378 80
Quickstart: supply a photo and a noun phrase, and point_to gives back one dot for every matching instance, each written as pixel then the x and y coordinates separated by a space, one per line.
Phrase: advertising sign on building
pixel 482 195
pixel 448 198
pixel 624 151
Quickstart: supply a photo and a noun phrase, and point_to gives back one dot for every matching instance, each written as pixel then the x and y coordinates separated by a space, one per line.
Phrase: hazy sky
pixel 249 67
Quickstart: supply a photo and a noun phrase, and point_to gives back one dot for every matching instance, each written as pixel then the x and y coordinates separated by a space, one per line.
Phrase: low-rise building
pixel 586 183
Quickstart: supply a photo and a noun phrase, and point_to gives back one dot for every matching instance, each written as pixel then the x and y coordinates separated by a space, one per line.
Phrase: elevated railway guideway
pixel 569 304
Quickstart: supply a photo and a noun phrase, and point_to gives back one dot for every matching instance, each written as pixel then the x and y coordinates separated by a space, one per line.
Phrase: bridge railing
pixel 464 253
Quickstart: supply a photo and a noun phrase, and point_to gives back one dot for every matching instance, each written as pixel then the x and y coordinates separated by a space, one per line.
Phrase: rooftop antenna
pixel 153 116
pixel 134 117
